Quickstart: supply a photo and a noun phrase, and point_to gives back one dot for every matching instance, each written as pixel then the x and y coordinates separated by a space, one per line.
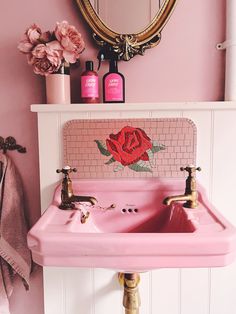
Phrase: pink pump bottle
pixel 113 85
pixel 89 85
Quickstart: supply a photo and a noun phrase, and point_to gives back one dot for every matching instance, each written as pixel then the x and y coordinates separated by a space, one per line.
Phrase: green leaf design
pixel 157 148
pixel 110 161
pixel 102 148
pixel 136 167
pixel 151 157
pixel 141 163
pixel 118 168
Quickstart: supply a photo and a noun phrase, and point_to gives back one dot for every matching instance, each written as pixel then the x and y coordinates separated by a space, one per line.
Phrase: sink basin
pixel 138 234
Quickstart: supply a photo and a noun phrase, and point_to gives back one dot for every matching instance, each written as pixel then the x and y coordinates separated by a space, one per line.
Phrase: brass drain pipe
pixel 131 298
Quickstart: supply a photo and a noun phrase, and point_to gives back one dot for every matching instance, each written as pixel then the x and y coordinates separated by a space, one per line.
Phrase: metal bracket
pixel 10 144
pixel 225 44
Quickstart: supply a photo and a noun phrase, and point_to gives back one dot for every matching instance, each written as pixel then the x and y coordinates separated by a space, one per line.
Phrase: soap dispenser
pixel 113 84
pixel 89 84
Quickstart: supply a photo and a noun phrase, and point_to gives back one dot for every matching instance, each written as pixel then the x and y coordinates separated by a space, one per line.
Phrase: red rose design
pixel 129 145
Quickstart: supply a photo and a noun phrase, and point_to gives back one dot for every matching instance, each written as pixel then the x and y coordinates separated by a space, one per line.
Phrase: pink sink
pixel 139 234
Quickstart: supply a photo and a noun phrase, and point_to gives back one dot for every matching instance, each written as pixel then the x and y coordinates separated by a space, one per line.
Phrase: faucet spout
pixel 87 199
pixel 170 199
pixel 190 197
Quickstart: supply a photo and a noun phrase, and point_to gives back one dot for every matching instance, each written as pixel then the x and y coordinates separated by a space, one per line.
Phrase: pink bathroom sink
pixel 138 234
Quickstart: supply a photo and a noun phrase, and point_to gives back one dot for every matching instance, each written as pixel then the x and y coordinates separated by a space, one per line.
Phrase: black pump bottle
pixel 113 84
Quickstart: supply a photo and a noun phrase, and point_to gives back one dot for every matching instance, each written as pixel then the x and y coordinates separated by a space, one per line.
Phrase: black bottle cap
pixel 89 65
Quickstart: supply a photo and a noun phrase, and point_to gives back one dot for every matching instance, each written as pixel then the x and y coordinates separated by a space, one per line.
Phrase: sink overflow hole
pixel 129 210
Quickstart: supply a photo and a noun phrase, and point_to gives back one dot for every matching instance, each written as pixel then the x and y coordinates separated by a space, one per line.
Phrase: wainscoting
pixel 164 291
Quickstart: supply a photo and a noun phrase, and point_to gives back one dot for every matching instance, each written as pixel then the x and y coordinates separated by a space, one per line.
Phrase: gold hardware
pixel 131 298
pixel 127 45
pixel 191 195
pixel 67 196
pixel 84 217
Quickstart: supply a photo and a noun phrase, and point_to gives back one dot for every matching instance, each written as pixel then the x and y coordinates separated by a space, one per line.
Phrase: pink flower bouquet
pixel 48 51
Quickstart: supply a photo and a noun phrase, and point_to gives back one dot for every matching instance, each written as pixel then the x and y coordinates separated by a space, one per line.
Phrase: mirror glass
pixel 127 16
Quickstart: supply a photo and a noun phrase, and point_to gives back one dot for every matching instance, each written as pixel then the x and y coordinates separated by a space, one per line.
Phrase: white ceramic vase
pixel 58 87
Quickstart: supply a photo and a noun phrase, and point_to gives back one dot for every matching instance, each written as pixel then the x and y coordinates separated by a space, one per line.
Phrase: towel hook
pixel 10 144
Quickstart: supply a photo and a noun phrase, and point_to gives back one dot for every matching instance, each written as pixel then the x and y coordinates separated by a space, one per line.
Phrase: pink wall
pixel 185 66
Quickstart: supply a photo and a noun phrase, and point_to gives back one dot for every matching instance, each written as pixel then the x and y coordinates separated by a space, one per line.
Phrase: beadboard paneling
pixel 165 291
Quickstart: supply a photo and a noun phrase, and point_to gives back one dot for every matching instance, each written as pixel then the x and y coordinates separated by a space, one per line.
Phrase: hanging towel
pixel 15 257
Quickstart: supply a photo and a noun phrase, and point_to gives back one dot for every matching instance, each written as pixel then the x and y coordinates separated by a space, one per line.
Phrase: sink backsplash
pixel 129 147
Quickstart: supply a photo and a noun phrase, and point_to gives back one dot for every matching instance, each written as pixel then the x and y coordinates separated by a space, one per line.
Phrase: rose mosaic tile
pixel 129 147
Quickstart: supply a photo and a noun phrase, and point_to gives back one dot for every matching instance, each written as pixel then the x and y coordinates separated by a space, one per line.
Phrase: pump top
pixel 106 53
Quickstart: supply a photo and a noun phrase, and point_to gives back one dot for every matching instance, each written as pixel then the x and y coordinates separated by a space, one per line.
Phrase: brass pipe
pixel 131 298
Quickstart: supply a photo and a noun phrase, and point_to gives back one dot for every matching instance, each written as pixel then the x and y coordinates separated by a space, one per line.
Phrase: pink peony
pixel 25 46
pixel 33 34
pixel 45 59
pixel 71 41
pixel 31 38
pixel 46 37
pixel 47 51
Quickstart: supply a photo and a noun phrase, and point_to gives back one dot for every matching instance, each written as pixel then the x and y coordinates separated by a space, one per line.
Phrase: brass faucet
pixel 67 196
pixel 191 195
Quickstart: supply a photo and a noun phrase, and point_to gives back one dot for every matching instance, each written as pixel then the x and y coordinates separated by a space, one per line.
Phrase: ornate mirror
pixel 127 27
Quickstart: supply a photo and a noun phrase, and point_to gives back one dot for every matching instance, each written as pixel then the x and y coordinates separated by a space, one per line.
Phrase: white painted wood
pixel 223 191
pixel 78 290
pixel 165 291
pixel 195 291
pixel 230 64
pixel 54 290
pixel 195 283
pixel 204 125
pixel 108 294
pixel 162 106
pixel 223 287
pixel 166 114
pixel 145 291
pixel 224 162
pixel 50 155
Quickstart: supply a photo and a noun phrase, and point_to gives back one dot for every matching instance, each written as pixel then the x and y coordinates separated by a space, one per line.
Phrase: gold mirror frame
pixel 127 45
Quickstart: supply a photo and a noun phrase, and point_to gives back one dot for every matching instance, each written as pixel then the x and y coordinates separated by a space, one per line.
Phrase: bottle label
pixel 89 86
pixel 113 87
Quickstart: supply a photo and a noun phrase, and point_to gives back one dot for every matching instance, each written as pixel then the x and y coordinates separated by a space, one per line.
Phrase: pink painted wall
pixel 185 66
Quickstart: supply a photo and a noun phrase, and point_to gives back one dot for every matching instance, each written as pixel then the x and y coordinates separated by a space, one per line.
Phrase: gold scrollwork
pixel 127 45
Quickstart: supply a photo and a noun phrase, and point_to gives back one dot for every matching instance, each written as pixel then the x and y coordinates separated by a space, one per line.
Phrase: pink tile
pixel 177 149
pixel 81 150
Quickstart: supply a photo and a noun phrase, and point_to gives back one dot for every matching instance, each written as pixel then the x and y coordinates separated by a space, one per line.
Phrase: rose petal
pixel 25 46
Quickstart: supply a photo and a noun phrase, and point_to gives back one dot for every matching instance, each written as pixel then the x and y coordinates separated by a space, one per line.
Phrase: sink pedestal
pixel 131 298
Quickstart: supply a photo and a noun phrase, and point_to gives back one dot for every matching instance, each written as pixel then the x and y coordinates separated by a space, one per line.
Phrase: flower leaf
pixel 102 148
pixel 110 161
pixel 151 156
pixel 157 148
pixel 136 167
pixel 118 168
pixel 141 163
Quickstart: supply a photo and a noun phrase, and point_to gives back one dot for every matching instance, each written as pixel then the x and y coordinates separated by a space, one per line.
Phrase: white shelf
pixel 165 106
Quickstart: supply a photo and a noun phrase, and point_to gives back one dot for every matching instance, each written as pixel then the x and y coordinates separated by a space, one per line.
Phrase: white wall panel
pixel 49 158
pixel 79 293
pixel 164 291
pixel 195 291
pixel 165 294
pixel 108 292
pixel 223 286
pixel 195 283
pixel 54 290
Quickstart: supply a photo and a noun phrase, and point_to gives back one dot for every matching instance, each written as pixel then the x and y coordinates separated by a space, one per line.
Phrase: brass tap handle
pixel 190 169
pixel 66 170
